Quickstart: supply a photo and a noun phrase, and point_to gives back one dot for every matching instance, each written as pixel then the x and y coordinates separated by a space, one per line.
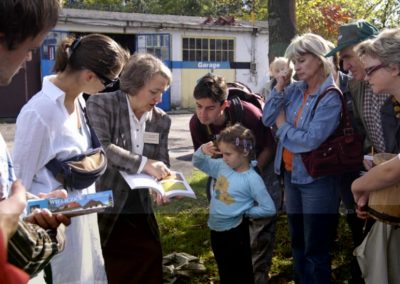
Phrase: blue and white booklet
pixel 74 205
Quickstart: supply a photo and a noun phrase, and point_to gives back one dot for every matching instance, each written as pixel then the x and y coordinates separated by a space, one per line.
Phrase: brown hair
pixel 96 52
pixel 241 138
pixel 211 86
pixel 23 19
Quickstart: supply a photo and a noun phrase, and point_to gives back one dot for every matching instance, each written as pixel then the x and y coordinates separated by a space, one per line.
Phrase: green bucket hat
pixel 353 33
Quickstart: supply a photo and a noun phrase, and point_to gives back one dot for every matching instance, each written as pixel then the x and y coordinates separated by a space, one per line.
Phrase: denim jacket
pixel 311 130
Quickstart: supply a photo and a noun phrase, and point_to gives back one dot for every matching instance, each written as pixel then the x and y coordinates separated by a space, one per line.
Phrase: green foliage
pixel 183 226
pixel 325 16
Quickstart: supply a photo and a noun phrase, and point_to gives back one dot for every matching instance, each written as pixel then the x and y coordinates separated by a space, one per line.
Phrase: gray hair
pixel 310 43
pixel 385 47
pixel 140 69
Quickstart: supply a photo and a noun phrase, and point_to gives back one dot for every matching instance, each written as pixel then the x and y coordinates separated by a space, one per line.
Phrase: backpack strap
pixel 236 111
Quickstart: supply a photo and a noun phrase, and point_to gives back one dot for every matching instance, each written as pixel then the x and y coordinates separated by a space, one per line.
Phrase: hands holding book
pixel 157 169
pixel 43 217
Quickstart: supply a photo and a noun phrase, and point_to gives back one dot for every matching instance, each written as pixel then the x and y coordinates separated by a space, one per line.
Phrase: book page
pixel 173 185
pixel 141 181
pixel 176 185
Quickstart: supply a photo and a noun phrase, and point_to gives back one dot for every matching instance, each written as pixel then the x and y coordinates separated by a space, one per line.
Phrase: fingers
pixel 47 220
pixel 57 193
pixel 368 164
pixel 61 218
pixel 17 200
pixel 162 171
pixel 159 199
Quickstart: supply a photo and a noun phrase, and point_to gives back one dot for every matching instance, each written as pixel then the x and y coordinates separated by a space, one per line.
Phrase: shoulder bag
pixel 342 152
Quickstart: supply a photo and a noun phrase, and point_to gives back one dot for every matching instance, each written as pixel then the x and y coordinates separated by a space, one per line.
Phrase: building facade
pixel 190 46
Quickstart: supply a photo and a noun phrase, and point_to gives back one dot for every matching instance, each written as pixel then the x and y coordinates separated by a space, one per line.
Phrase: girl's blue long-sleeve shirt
pixel 235 193
pixel 311 130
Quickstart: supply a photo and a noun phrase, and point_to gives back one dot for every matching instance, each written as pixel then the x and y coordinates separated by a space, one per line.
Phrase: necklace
pixel 396 107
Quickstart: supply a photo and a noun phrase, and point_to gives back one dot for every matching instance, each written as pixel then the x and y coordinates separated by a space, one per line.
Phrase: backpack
pixel 237 92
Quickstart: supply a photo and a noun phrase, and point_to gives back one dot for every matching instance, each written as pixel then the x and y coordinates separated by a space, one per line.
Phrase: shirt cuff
pixel 142 164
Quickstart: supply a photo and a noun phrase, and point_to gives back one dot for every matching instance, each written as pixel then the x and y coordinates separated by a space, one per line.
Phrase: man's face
pixel 209 111
pixel 352 63
pixel 11 61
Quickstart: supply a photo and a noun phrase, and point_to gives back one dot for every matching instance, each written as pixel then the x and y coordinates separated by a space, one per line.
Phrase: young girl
pixel 239 192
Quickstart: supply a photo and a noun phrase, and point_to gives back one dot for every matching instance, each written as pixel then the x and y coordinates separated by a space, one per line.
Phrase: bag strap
pixel 95 140
pixel 236 112
pixel 56 167
pixel 345 123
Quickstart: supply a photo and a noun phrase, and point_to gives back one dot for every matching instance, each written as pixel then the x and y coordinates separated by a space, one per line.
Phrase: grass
pixel 183 226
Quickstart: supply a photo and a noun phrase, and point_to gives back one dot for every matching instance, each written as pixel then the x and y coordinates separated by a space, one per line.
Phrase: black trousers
pixel 233 255
pixel 132 254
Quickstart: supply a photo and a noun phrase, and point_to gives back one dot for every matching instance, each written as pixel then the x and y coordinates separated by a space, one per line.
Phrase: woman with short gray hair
pixel 134 133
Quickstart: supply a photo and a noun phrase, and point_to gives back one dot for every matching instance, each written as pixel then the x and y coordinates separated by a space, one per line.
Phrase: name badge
pixel 151 138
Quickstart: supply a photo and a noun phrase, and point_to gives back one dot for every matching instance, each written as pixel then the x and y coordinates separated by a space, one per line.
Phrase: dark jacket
pixel 390 127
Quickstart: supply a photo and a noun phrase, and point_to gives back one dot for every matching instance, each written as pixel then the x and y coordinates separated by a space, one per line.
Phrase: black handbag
pixel 83 170
pixel 342 152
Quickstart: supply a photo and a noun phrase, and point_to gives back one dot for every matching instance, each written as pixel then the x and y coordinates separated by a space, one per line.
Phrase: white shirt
pixel 138 128
pixel 46 130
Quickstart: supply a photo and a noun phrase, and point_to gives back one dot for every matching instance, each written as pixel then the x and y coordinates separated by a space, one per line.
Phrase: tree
pixel 324 17
pixel 282 26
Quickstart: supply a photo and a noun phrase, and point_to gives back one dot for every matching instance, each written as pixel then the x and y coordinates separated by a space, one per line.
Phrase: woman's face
pixel 307 66
pixel 380 77
pixel 150 94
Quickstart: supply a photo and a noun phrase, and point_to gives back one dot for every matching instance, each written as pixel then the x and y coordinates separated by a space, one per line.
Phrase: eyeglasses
pixel 370 70
pixel 108 83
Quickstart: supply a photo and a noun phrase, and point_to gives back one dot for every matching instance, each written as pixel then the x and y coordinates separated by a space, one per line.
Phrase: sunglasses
pixel 370 70
pixel 108 83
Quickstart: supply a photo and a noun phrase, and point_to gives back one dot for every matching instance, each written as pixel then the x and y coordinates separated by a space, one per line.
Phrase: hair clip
pixel 75 44
pixel 237 141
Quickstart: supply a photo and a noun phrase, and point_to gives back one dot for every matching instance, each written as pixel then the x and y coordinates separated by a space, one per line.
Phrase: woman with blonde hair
pixel 311 203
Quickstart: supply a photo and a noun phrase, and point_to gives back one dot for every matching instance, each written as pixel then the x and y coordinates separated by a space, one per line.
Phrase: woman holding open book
pixel 134 133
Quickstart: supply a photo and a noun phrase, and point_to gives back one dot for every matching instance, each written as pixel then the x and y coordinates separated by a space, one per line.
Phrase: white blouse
pixel 46 130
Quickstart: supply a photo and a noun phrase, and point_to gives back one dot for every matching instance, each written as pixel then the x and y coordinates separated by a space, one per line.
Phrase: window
pixel 156 44
pixel 207 49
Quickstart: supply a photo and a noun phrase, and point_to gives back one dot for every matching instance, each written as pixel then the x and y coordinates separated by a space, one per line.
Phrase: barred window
pixel 207 49
pixel 156 44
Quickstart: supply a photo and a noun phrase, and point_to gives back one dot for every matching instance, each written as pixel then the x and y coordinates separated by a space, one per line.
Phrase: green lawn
pixel 183 226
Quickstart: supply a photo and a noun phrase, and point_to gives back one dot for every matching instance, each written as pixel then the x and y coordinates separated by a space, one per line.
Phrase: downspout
pixel 253 65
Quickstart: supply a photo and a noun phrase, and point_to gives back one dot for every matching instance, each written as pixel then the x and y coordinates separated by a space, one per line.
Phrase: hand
pixel 281 119
pixel 361 199
pixel 157 169
pixel 210 149
pixel 159 199
pixel 368 164
pixel 11 209
pixel 44 218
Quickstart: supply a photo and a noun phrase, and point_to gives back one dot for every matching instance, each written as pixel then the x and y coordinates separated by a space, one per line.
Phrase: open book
pixel 173 185
pixel 75 205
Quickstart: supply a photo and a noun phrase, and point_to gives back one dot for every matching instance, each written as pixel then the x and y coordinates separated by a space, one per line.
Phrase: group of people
pixel 248 155
pixel 371 59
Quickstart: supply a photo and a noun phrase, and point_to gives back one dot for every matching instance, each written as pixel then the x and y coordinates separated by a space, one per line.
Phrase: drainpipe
pixel 253 65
